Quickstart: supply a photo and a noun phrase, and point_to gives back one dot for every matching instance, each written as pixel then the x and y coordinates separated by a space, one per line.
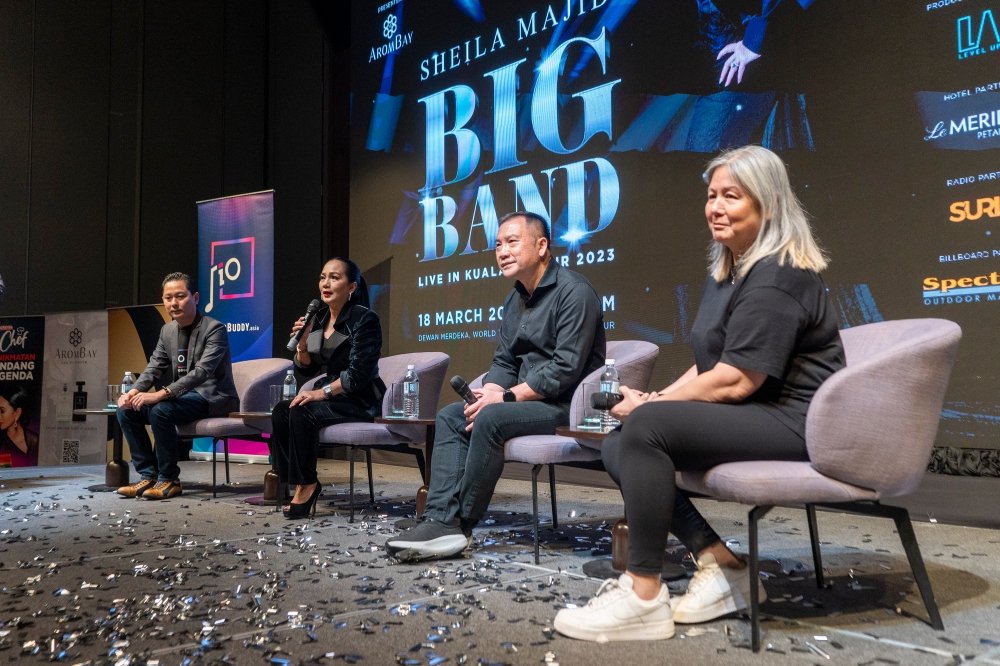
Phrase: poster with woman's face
pixel 21 347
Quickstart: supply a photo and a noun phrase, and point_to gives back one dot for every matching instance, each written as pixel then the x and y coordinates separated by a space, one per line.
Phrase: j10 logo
pixel 439 211
pixel 234 262
pixel 970 35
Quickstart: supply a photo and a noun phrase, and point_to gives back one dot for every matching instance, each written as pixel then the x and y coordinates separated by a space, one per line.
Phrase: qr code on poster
pixel 71 452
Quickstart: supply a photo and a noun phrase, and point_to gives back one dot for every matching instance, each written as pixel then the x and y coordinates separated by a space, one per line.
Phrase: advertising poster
pixel 600 116
pixel 22 348
pixel 236 280
pixel 75 377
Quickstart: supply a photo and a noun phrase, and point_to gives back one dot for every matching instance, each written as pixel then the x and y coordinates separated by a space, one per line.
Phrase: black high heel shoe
pixel 296 511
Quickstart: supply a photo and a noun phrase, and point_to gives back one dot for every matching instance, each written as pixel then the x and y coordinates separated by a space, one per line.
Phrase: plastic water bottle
pixel 411 393
pixel 609 384
pixel 127 382
pixel 289 389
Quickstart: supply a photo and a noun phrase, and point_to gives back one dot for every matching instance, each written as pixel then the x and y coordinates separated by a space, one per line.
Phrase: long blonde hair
pixel 784 229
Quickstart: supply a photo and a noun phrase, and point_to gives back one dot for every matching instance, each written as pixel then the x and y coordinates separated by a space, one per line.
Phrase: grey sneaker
pixel 430 540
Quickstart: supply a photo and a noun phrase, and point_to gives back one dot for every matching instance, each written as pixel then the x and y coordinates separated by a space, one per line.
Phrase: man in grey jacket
pixel 192 371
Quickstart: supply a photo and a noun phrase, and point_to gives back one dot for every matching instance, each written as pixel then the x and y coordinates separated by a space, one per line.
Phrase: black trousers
pixel 295 434
pixel 661 438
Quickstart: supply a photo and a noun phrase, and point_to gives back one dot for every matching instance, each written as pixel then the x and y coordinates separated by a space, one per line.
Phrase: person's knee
pixel 161 414
pixel 490 418
pixel 299 415
pixel 451 416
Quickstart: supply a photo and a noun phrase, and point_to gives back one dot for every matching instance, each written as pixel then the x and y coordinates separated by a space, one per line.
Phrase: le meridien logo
pixel 977 35
pixel 983 124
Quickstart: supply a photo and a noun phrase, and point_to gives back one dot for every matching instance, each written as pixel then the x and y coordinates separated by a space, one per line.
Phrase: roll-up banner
pixel 236 281
pixel 75 377
pixel 22 347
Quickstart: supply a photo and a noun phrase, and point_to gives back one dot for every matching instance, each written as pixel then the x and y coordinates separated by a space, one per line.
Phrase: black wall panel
pixel 124 151
pixel 69 143
pixel 15 129
pixel 116 116
pixel 296 159
pixel 245 103
pixel 182 114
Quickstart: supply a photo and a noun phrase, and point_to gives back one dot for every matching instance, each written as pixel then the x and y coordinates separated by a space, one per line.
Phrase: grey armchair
pixel 253 380
pixel 634 360
pixel 869 433
pixel 431 368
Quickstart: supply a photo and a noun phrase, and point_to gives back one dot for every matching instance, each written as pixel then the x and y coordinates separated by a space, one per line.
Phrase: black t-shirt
pixel 183 339
pixel 777 320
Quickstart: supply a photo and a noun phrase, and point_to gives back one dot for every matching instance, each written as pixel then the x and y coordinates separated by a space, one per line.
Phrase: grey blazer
pixel 209 366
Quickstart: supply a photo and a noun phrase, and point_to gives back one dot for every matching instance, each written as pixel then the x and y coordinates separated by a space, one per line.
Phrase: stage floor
pixel 93 577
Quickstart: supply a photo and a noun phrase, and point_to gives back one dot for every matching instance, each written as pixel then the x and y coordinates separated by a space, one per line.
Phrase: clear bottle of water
pixel 127 382
pixel 609 384
pixel 411 393
pixel 289 389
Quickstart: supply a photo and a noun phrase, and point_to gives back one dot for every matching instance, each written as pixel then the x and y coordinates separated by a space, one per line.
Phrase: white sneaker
pixel 715 591
pixel 616 613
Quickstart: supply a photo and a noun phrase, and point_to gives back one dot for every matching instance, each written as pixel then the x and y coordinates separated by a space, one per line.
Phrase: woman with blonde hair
pixel 764 339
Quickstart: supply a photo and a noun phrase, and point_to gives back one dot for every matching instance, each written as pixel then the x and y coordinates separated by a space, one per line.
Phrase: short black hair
pixel 533 220
pixel 179 277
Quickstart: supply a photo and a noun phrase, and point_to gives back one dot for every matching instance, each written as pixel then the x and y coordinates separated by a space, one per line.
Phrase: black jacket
pixel 358 336
pixel 209 366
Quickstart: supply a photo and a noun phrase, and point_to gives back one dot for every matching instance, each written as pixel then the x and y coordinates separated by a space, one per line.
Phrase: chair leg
pixel 371 484
pixel 552 491
pixel 214 487
pixel 418 454
pixel 225 449
pixel 755 514
pixel 350 456
pixel 814 539
pixel 904 527
pixel 534 504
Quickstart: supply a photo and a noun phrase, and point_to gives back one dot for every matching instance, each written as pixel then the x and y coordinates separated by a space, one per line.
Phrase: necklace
pixel 734 269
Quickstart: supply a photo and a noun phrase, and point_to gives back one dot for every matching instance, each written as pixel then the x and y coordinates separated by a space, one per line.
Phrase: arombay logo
pixel 977 34
pixel 395 38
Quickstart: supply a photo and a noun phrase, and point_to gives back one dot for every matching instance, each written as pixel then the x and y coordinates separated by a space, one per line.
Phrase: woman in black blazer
pixel 345 341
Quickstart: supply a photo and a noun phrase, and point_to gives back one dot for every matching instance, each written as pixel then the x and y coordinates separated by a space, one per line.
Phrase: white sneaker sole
pixel 657 631
pixel 412 551
pixel 718 609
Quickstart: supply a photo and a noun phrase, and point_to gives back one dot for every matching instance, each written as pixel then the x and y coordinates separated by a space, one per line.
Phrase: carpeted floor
pixel 90 577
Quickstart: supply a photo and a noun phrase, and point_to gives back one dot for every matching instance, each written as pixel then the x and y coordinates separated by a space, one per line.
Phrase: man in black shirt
pixel 552 337
pixel 192 371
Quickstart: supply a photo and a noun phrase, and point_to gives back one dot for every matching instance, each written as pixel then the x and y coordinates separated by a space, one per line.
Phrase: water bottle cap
pixel 609 361
pixel 410 367
pixel 291 372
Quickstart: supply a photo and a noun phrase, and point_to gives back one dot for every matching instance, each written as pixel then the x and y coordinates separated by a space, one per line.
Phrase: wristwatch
pixel 327 391
pixel 508 396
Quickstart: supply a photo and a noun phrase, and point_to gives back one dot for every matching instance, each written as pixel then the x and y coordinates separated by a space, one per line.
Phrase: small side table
pixel 603 567
pixel 116 472
pixel 428 452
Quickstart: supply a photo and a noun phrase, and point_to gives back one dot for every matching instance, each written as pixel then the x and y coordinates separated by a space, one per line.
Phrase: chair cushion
pixel 545 449
pixel 217 427
pixel 777 482
pixel 359 434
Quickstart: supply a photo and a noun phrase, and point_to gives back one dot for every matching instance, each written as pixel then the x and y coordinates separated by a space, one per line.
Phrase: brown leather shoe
pixel 137 489
pixel 163 490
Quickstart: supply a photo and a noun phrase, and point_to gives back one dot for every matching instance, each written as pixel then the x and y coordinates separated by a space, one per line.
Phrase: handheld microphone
pixel 462 389
pixel 310 313
pixel 604 401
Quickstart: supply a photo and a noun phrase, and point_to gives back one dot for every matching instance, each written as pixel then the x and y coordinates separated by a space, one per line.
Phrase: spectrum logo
pixel 962 210
pixel 977 37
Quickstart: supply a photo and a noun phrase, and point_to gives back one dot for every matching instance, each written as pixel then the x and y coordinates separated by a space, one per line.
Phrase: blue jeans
pixel 466 466
pixel 163 419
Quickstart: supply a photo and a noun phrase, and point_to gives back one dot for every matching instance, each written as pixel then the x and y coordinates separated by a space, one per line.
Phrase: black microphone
pixel 462 389
pixel 310 313
pixel 604 401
